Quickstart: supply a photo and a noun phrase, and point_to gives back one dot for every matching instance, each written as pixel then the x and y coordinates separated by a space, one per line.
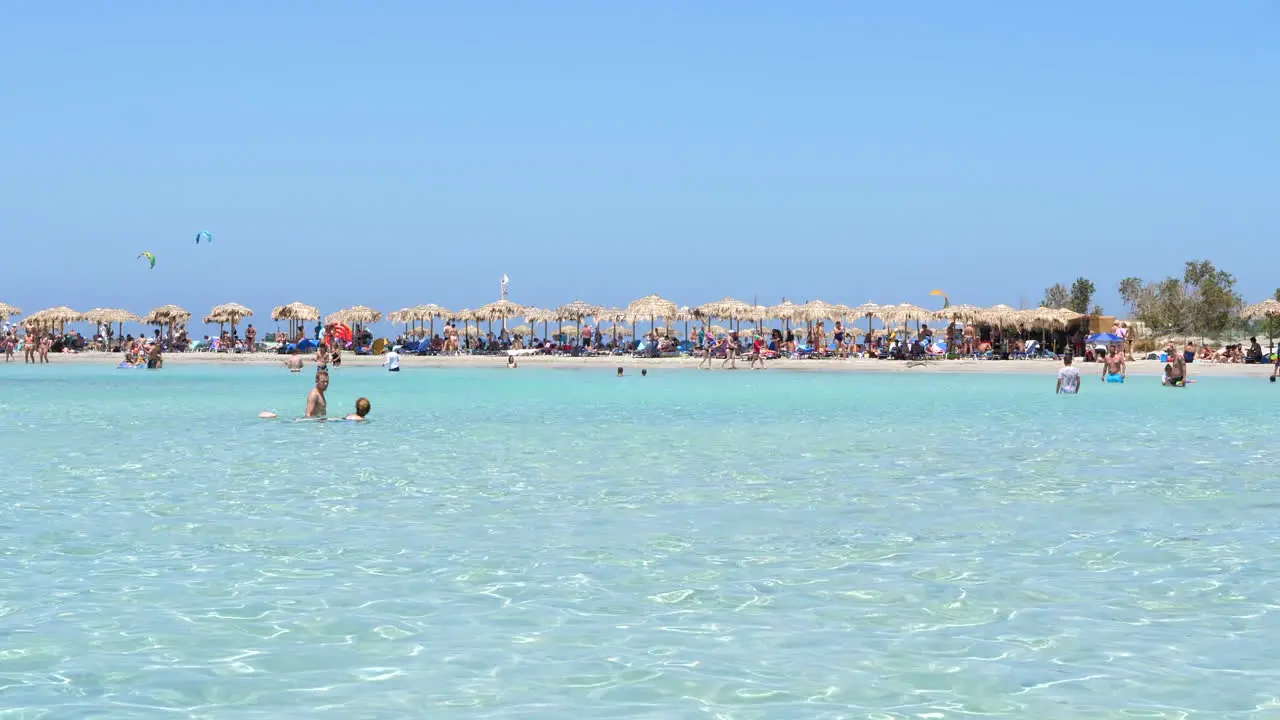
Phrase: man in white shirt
pixel 1068 377
pixel 392 361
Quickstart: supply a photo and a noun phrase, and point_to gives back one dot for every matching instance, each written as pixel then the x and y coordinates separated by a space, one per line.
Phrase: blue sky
pixel 396 153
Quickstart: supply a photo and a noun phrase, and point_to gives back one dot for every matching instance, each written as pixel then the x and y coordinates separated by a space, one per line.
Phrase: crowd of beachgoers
pixel 951 340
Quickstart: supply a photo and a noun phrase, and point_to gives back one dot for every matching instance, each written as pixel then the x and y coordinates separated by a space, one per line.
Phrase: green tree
pixel 1211 297
pixel 1096 310
pixel 1056 297
pixel 1132 293
pixel 1169 306
pixel 1080 296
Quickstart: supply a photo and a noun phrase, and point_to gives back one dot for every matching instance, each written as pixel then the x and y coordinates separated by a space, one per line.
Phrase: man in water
pixel 154 359
pixel 1068 377
pixel 1177 374
pixel 294 361
pixel 1113 366
pixel 362 409
pixel 392 361
pixel 316 407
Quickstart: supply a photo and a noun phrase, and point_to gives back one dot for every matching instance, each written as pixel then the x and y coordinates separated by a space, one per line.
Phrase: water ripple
pixel 556 545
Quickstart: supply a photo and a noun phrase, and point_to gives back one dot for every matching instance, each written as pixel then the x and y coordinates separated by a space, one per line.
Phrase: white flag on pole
pixel 505 279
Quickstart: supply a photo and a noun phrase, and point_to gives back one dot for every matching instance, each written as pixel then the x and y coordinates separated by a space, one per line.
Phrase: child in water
pixel 362 408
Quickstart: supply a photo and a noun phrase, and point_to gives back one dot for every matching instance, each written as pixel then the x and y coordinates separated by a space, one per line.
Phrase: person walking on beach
pixel 757 352
pixel 46 344
pixel 1113 366
pixel 707 350
pixel 251 338
pixel 316 407
pixel 1068 377
pixel 731 351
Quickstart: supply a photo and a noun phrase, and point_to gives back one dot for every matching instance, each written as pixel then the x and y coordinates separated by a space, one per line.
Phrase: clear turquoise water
pixel 556 544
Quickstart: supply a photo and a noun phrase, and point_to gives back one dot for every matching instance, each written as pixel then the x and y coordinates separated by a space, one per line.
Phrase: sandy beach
pixel 1032 367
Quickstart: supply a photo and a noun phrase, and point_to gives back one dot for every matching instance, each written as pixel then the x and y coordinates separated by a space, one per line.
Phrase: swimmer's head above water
pixel 363 406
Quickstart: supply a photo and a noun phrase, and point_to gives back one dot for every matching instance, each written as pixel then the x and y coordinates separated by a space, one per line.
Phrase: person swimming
pixel 363 406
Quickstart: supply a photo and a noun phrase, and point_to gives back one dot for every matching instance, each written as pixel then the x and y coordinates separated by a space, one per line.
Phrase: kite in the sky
pixel 946 301
pixel 204 235
pixel 149 256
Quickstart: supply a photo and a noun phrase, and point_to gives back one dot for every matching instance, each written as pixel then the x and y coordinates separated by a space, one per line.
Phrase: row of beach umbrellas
pixel 648 309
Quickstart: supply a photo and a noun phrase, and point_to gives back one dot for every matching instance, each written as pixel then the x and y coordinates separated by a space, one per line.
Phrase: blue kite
pixel 204 235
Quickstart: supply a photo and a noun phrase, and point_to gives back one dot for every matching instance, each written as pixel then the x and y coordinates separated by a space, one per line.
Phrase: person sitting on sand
pixel 362 409
pixel 316 407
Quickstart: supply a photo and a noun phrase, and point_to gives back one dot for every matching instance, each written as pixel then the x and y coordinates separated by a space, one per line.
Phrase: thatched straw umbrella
pixel 534 315
pixel 167 316
pixel 816 310
pixel 502 310
pixel 617 316
pixel 466 315
pixel 733 310
pixel 111 316
pixel 427 313
pixel 651 307
pixel 229 313
pixel 684 314
pixel 56 316
pixel 787 312
pixel 867 310
pixel 962 313
pixel 1269 309
pixel 577 311
pixel 8 311
pixel 357 315
pixel 296 313
pixel 906 312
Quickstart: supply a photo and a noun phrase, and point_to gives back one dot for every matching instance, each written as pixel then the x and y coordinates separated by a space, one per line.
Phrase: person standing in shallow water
pixel 1068 377
pixel 316 406
pixel 1113 366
